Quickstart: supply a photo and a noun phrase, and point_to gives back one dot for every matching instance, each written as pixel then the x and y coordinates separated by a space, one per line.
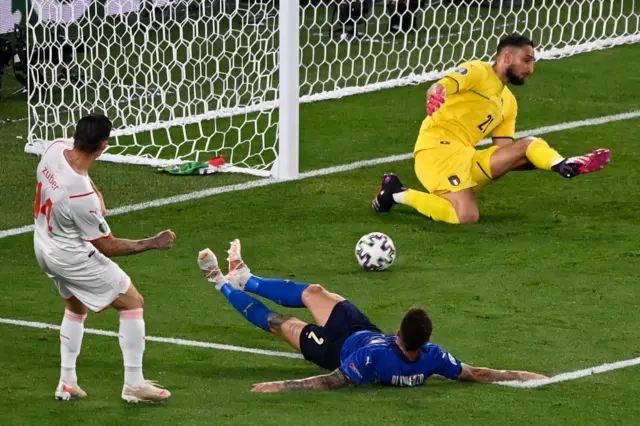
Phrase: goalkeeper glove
pixel 435 101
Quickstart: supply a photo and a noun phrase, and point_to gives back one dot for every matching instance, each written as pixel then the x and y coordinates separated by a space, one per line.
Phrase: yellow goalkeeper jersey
pixel 477 105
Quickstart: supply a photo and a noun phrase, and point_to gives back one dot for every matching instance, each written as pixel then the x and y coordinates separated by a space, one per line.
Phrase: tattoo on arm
pixel 335 380
pixel 485 375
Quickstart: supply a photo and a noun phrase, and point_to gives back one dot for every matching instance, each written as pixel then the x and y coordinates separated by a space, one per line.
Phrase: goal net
pixel 189 80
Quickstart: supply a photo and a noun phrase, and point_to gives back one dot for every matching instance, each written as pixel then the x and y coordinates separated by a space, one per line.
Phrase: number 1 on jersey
pixel 44 209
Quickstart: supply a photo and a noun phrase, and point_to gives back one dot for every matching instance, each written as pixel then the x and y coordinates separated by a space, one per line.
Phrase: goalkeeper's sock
pixel 542 155
pixel 432 206
pixel 283 292
pixel 252 309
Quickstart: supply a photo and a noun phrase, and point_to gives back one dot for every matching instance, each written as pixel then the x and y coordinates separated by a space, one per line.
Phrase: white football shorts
pixel 94 280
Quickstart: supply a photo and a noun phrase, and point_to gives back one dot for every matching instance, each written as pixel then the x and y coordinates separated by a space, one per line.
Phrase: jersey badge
pixel 462 70
pixel 353 368
pixel 104 228
pixel 454 180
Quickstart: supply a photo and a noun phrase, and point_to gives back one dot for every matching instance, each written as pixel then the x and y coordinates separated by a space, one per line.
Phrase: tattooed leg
pixel 287 327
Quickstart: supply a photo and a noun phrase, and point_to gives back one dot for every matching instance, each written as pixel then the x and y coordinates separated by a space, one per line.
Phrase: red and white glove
pixel 435 101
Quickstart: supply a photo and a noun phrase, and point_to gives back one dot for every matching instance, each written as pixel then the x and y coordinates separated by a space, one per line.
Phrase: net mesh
pixel 191 80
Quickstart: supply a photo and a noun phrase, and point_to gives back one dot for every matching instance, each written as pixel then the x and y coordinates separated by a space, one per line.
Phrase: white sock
pixel 398 197
pixel 71 333
pixel 132 344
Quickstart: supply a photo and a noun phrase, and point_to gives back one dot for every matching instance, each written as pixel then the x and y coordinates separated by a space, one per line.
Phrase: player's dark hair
pixel 415 330
pixel 90 132
pixel 514 40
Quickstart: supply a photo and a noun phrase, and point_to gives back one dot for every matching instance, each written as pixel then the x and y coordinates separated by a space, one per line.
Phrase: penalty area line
pixel 563 377
pixel 572 375
pixel 170 340
pixel 328 171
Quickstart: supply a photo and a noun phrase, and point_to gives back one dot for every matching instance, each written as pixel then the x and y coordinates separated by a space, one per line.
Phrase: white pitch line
pixel 16 231
pixel 563 377
pixel 572 375
pixel 180 342
pixel 328 171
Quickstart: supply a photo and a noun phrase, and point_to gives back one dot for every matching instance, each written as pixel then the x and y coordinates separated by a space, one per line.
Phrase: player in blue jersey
pixel 343 339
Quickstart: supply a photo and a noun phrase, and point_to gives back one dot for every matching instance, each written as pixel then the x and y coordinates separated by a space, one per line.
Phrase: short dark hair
pixel 514 40
pixel 415 330
pixel 90 132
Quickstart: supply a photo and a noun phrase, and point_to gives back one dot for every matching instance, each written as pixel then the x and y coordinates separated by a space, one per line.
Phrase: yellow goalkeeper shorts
pixel 453 166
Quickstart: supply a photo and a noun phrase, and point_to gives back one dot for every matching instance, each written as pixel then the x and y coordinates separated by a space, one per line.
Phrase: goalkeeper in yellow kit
pixel 466 105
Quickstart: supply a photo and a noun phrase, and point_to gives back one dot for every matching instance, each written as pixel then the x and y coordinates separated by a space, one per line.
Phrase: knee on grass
pixel 468 216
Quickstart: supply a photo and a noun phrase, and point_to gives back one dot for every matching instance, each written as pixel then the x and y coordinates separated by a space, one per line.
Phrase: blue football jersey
pixel 370 357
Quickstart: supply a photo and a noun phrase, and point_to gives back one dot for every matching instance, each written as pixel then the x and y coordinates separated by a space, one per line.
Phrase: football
pixel 375 252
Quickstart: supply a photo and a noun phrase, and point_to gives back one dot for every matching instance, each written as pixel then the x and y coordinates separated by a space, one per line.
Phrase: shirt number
pixel 313 336
pixel 40 208
pixel 485 124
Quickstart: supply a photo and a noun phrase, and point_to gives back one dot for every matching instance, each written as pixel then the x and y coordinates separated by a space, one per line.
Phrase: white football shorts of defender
pixel 68 217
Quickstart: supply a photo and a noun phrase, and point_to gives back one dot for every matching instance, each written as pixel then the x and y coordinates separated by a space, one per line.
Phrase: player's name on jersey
pixel 50 178
pixel 415 380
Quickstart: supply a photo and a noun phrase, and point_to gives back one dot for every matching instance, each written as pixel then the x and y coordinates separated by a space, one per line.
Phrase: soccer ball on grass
pixel 375 252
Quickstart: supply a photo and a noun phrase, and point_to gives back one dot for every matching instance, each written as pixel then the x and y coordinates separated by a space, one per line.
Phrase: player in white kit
pixel 73 243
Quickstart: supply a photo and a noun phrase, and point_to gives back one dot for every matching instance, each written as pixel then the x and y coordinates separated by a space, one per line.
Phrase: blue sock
pixel 283 292
pixel 252 309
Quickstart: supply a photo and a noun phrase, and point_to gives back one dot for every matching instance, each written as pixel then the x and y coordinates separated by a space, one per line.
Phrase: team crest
pixel 462 70
pixel 454 180
pixel 104 228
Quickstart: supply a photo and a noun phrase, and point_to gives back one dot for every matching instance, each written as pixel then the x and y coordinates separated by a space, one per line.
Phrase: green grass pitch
pixel 547 281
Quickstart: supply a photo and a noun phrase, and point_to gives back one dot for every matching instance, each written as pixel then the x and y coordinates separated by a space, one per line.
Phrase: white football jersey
pixel 67 211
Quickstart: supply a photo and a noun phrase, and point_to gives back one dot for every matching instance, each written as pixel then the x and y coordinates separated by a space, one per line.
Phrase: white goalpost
pixel 287 162
pixel 190 80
